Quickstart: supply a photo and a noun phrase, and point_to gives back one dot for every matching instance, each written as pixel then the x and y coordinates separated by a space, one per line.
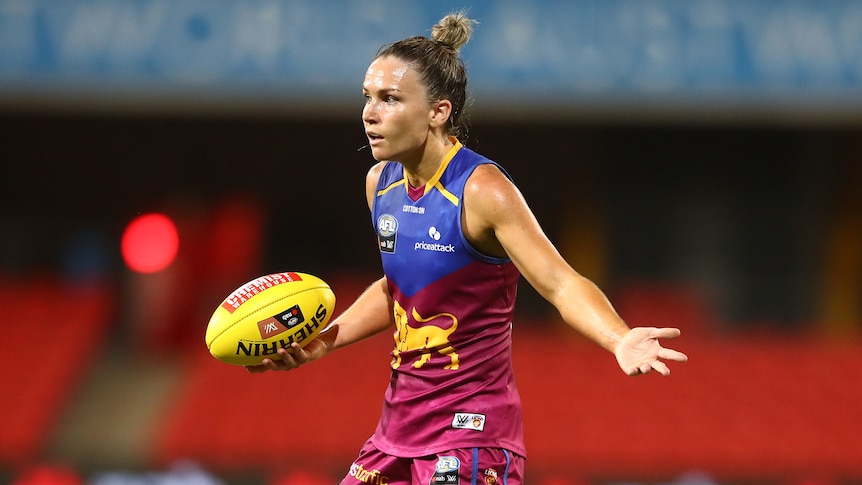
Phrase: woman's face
pixel 397 112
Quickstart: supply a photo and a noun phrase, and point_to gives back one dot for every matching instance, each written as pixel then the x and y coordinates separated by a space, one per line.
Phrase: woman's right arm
pixel 369 315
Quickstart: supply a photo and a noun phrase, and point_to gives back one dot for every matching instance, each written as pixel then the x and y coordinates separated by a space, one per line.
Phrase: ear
pixel 440 112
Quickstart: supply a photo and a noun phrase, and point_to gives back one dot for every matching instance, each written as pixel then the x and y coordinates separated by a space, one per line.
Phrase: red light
pixel 150 243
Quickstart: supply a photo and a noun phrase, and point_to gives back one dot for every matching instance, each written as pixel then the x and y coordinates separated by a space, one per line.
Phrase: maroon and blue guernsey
pixel 452 383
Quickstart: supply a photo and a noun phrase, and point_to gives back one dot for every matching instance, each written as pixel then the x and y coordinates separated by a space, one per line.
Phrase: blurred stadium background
pixel 700 160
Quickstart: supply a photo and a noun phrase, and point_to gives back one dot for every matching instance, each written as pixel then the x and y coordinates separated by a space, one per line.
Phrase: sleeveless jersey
pixel 452 383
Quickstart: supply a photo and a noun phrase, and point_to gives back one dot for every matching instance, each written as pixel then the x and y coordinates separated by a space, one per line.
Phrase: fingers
pixel 289 358
pixel 647 367
pixel 670 354
pixel 639 370
pixel 661 368
pixel 640 351
pixel 667 332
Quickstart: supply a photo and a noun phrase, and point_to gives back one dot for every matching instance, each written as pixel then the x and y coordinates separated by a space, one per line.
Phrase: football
pixel 269 313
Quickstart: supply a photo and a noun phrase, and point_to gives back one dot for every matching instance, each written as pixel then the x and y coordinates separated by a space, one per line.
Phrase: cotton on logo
pixel 433 233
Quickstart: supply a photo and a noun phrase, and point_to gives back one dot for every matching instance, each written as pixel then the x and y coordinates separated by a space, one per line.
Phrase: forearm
pixel 584 307
pixel 369 315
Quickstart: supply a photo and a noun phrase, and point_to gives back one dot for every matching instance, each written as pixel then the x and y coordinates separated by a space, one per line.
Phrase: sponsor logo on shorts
pixel 469 421
pixel 446 472
pixel 490 476
pixel 364 475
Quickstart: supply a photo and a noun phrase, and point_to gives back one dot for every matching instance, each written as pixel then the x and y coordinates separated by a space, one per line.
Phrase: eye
pixel 391 99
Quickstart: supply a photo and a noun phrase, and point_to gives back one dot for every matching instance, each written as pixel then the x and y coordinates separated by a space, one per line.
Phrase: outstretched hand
pixel 639 352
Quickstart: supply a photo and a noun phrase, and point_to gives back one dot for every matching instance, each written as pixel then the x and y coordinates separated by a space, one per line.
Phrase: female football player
pixel 454 234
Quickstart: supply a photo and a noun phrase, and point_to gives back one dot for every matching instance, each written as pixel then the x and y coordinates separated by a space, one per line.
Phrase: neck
pixel 433 151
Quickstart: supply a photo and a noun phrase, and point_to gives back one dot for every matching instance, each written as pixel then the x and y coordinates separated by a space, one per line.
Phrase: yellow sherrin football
pixel 268 313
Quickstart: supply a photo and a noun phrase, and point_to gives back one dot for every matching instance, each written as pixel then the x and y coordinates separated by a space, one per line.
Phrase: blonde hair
pixel 439 65
pixel 453 30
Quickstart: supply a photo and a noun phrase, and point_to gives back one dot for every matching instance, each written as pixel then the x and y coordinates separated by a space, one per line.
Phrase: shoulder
pixel 491 202
pixel 371 179
pixel 488 172
pixel 489 188
pixel 374 172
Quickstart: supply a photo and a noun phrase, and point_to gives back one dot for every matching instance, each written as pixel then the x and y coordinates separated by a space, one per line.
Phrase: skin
pixel 402 124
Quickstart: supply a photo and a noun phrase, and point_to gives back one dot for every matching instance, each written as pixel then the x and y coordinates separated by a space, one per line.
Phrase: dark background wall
pixel 745 212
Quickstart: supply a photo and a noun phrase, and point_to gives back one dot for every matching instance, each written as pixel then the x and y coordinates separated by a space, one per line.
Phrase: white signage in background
pixel 564 50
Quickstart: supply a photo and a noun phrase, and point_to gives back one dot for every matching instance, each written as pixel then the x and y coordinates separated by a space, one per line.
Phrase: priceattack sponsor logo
pixel 435 235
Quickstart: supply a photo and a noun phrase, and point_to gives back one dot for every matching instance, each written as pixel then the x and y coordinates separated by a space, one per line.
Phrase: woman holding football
pixel 454 233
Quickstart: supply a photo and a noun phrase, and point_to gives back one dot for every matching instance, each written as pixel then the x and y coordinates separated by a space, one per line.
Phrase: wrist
pixel 611 339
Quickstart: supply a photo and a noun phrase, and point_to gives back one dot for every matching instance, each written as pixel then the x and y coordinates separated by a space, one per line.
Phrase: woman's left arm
pixel 497 219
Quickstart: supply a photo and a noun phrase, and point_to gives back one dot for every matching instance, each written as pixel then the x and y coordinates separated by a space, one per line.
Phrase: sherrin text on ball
pixel 268 313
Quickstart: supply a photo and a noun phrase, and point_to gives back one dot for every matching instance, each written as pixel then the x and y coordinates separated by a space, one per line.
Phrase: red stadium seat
pixel 53 332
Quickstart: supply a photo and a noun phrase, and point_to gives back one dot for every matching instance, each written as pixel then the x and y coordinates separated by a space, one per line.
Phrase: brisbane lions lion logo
pixel 432 337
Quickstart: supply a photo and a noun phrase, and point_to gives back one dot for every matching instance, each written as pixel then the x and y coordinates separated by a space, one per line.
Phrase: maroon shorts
pixel 467 466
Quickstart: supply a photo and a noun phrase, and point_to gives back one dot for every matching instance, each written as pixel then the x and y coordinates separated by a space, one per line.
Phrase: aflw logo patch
pixel 280 323
pixel 469 421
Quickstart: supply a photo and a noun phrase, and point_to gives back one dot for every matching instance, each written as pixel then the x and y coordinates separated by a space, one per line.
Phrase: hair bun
pixel 453 30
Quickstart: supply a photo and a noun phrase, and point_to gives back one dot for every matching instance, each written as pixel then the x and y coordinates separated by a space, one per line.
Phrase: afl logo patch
pixel 387 230
pixel 447 471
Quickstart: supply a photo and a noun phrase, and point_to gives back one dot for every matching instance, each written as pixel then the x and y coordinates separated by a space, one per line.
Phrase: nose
pixel 369 112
